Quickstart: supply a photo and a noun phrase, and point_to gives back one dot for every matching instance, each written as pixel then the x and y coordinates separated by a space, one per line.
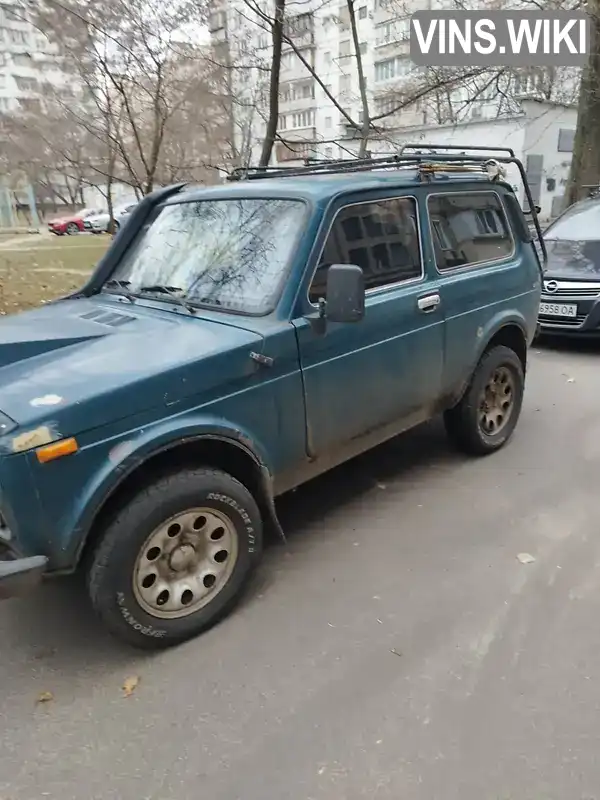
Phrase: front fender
pixel 109 462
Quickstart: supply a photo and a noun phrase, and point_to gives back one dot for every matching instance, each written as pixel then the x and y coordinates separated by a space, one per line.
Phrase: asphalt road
pixel 396 649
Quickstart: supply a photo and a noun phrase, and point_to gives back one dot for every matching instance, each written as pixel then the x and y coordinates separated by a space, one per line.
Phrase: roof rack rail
pixel 456 148
pixel 426 164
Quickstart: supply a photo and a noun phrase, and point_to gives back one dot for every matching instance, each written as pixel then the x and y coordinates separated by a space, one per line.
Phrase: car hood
pixel 79 364
pixel 98 217
pixel 573 260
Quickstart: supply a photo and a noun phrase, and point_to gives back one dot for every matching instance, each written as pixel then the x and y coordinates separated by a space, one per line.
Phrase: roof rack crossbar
pixel 457 148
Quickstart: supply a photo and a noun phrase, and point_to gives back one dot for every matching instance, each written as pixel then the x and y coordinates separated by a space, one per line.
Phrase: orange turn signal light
pixel 56 450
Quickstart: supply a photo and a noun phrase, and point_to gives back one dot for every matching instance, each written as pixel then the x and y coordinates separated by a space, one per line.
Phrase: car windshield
pixel 580 223
pixel 229 254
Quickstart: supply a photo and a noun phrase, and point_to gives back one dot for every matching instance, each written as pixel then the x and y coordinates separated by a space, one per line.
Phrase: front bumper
pixel 586 322
pixel 21 575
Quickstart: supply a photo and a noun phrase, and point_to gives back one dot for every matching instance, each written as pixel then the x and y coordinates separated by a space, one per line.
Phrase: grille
pixel 571 290
pixel 563 322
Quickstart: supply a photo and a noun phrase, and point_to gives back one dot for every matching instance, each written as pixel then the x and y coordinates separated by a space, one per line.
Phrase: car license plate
pixel 558 309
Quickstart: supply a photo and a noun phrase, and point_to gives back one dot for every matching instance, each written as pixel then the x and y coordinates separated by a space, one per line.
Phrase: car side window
pixel 468 229
pixel 381 237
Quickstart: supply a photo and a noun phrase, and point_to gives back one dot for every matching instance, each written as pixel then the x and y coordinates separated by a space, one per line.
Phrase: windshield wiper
pixel 172 291
pixel 118 284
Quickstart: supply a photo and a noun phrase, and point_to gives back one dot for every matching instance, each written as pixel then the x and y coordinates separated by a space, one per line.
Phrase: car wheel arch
pixel 509 333
pixel 213 450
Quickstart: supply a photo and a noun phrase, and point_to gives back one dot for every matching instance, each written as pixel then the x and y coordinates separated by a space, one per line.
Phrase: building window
pixel 397 30
pixel 329 152
pixel 282 122
pixel 362 12
pixel 468 229
pixel 396 67
pixel 327 57
pixel 26 84
pixel 386 105
pixel 303 119
pixel 299 25
pixel 362 47
pixel 345 84
pixel 328 122
pixel 17 37
pixel 299 90
pixel 382 238
pixel 566 140
pixel 530 82
pixel 344 49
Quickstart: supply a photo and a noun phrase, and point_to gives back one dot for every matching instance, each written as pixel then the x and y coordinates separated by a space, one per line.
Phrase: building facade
pixel 320 100
pixel 29 63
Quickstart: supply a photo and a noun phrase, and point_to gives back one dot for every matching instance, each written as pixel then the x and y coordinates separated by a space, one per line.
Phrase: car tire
pixel 203 515
pixel 72 229
pixel 487 414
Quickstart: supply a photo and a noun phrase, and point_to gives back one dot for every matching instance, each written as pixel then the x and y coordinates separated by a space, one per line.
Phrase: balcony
pixel 301 41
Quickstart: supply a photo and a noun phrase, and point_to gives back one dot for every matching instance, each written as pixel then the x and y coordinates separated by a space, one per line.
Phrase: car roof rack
pixel 452 159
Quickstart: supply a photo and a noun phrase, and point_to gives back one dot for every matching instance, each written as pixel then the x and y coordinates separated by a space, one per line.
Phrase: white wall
pixel 534 132
pixel 545 120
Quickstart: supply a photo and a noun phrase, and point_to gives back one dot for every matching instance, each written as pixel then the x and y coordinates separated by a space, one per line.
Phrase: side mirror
pixel 538 210
pixel 345 293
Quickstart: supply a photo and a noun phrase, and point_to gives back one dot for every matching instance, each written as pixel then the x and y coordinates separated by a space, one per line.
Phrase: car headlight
pixel 6 424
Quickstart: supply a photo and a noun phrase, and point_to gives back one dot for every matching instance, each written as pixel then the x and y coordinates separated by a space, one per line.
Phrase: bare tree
pixel 585 163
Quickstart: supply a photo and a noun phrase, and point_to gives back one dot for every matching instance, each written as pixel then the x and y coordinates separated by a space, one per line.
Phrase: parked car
pixel 71 223
pixel 99 223
pixel 237 341
pixel 570 302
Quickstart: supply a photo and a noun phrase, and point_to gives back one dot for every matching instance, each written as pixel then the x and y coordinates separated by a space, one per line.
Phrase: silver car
pixel 98 223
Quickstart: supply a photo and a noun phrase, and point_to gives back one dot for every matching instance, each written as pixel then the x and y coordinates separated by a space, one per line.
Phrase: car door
pixel 480 271
pixel 363 376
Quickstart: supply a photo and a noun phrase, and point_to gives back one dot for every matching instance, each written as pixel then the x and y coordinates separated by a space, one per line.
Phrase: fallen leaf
pixel 395 652
pixel 525 558
pixel 45 697
pixel 130 685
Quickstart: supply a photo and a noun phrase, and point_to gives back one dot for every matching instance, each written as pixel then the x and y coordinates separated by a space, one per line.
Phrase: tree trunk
pixel 273 120
pixel 585 163
pixel 362 84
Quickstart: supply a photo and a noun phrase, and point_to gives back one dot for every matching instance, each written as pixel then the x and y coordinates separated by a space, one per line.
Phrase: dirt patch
pixel 31 276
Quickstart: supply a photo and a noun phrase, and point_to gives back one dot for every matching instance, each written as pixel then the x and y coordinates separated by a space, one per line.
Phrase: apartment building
pixel 321 65
pixel 29 63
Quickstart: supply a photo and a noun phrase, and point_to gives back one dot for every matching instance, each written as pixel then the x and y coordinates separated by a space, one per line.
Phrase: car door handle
pixel 429 303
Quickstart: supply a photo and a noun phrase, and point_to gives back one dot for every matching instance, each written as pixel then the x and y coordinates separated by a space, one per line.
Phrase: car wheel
pixel 486 416
pixel 72 228
pixel 176 558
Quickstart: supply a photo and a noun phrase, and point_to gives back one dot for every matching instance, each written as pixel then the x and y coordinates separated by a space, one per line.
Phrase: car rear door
pixel 387 369
pixel 481 273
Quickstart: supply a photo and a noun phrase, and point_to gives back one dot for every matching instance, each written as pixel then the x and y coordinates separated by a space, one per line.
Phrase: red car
pixel 73 223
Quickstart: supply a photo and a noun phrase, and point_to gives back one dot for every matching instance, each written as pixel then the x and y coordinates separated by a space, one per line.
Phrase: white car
pixel 98 223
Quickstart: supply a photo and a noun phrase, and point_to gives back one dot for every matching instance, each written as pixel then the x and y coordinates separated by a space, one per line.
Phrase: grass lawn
pixel 40 269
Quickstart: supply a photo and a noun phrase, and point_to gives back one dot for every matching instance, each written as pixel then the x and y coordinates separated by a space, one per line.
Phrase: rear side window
pixel 468 229
pixel 380 237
